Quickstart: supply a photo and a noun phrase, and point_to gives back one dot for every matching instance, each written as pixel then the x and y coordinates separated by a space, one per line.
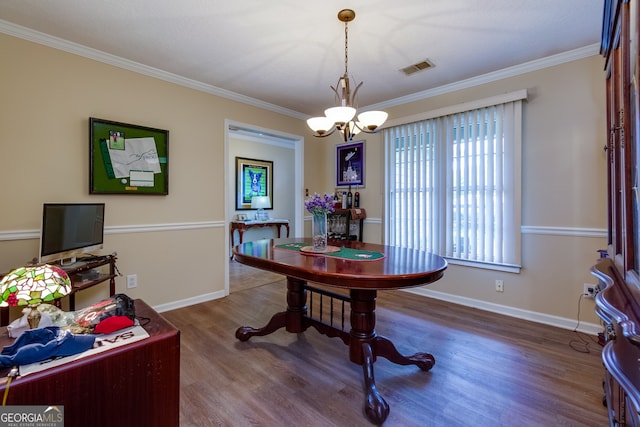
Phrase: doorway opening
pixel 288 193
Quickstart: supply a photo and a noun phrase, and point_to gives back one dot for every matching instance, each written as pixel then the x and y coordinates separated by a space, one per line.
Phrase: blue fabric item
pixel 40 344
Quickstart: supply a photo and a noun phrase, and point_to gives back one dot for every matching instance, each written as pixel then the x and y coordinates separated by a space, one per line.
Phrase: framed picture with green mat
pixel 127 159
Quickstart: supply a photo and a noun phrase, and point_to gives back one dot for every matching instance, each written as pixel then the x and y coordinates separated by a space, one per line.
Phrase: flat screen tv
pixel 69 230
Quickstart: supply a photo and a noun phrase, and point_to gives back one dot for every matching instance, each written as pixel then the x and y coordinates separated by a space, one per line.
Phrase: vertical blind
pixel 453 184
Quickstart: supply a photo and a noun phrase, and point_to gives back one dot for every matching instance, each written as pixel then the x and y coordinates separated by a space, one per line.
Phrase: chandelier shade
pixel 340 117
pixel 320 125
pixel 372 119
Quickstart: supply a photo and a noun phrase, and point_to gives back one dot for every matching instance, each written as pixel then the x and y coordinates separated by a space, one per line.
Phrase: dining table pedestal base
pixel 364 344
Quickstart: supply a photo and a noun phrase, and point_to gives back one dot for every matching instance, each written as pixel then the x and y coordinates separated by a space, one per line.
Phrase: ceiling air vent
pixel 420 66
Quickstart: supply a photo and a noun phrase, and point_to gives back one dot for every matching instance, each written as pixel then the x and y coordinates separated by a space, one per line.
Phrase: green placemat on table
pixel 346 253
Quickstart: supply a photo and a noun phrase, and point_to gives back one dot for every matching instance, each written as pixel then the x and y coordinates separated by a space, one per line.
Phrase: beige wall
pixel 563 193
pixel 48 95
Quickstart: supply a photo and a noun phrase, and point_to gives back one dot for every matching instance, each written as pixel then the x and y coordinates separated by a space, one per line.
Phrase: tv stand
pixel 80 280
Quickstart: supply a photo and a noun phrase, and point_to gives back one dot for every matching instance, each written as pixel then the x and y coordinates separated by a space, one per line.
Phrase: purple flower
pixel 318 204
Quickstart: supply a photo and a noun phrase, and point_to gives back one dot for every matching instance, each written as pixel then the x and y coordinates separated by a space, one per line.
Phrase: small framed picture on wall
pixel 350 164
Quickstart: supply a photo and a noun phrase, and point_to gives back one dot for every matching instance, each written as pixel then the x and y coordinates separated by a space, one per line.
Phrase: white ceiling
pixel 288 52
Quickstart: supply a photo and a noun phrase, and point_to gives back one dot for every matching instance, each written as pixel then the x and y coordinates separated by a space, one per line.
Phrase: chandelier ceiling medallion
pixel 341 117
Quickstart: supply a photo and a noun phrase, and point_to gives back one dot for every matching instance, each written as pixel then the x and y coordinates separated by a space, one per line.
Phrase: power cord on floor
pixel 582 344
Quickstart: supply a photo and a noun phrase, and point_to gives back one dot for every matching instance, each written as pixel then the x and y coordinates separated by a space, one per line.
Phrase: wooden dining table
pixel 320 285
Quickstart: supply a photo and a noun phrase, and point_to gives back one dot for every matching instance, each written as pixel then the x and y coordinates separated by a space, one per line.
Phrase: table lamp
pixel 261 203
pixel 32 286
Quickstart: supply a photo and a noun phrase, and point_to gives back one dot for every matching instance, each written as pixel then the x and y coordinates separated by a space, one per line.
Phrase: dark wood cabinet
pixel 346 224
pixel 618 272
pixel 617 306
pixel 137 384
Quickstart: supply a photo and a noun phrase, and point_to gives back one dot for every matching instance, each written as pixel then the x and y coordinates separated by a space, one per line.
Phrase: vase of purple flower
pixel 319 206
pixel 319 231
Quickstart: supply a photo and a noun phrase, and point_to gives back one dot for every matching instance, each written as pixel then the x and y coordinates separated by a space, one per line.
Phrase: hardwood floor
pixel 242 277
pixel 490 370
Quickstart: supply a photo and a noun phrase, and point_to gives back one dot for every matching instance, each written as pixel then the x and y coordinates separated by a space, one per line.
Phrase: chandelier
pixel 341 117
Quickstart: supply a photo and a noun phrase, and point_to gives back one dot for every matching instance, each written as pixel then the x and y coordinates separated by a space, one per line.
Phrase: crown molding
pixel 516 70
pixel 97 55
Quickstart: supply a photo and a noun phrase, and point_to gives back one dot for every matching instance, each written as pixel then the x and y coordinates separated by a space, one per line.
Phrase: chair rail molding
pixel 10 235
pixel 565 231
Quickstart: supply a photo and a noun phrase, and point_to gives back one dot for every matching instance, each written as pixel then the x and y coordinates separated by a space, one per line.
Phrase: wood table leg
pixel 365 346
pixel 292 319
pixel 363 322
pixel 375 407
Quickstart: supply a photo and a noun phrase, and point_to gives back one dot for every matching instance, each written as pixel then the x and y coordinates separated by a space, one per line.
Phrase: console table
pixel 137 384
pixel 242 226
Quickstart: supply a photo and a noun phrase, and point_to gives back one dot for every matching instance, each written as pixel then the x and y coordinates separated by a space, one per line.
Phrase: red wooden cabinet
pixel 133 385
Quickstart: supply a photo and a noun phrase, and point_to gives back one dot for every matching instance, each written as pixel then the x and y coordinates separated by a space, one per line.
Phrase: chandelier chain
pixel 346 48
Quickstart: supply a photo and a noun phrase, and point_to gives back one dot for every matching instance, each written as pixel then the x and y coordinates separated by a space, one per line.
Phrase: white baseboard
pixel 559 322
pixel 547 319
pixel 174 305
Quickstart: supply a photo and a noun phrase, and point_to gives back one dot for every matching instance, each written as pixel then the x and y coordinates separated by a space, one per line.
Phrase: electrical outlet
pixel 132 281
pixel 499 286
pixel 590 290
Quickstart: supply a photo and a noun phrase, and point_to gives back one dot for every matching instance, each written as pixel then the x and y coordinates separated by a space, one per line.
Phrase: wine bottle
pixel 349 199
pixel 356 200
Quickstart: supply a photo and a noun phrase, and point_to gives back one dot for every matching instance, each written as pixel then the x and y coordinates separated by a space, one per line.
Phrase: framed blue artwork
pixel 253 178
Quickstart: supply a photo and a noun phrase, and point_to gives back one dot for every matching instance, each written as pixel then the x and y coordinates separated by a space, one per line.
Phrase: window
pixel 453 183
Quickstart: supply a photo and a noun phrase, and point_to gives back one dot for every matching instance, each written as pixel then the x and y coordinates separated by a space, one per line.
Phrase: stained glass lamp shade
pixel 32 286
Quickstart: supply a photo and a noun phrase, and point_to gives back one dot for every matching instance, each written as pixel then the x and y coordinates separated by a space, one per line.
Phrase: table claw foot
pixel 424 361
pixel 244 333
pixel 385 348
pixel 375 407
pixel 278 321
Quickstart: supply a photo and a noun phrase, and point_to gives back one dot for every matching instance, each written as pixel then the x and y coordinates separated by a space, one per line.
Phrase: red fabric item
pixel 112 324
